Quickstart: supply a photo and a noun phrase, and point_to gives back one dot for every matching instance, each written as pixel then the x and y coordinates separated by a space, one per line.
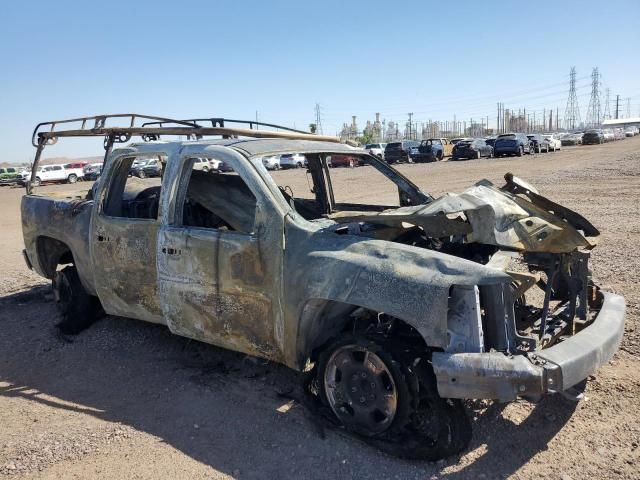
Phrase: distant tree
pixel 366 137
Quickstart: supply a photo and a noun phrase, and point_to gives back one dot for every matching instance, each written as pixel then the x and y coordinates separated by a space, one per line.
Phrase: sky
pixel 232 59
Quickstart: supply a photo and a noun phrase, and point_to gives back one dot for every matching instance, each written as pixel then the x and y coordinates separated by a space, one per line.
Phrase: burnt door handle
pixel 102 238
pixel 171 251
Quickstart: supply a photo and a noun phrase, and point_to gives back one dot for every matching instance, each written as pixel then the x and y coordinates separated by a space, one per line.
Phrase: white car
pixel 56 173
pixel 609 136
pixel 271 162
pixel 203 164
pixel 554 142
pixel 376 149
pixel 293 160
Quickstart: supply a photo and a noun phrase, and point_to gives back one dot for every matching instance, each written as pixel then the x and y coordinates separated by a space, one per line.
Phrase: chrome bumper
pixel 498 376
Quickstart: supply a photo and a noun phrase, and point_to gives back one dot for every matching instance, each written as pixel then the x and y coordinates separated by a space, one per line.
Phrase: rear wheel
pixel 141 174
pixel 72 178
pixel 520 151
pixel 205 169
pixel 385 391
pixel 37 182
pixel 478 155
pixel 77 308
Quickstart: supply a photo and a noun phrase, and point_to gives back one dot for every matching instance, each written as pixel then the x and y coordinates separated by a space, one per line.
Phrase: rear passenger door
pixel 220 260
pixel 124 228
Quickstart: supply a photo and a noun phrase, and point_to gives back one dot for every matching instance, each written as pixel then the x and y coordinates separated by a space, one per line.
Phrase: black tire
pixel 73 178
pixel 77 308
pixel 141 174
pixel 205 169
pixel 520 151
pixel 478 155
pixel 37 182
pixel 424 426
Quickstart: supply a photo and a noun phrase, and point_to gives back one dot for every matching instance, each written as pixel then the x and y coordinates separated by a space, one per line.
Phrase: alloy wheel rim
pixel 360 389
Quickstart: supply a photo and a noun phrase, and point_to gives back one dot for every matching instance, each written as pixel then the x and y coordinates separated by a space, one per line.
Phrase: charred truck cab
pixel 395 311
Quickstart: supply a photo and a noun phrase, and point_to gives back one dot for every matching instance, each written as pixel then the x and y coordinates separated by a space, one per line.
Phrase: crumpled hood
pixel 492 216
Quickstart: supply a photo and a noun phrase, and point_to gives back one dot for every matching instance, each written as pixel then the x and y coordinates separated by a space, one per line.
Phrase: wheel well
pixel 324 320
pixel 51 253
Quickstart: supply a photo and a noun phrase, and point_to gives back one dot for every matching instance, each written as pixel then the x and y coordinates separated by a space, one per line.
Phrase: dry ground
pixel 129 400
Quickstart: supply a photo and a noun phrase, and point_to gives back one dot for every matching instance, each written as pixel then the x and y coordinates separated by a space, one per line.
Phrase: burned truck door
pixel 215 283
pixel 123 244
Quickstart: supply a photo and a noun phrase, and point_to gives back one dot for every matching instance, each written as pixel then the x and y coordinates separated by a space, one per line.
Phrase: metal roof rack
pixel 151 127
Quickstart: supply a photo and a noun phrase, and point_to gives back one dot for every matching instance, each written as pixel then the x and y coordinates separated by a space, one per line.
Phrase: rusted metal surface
pixel 281 278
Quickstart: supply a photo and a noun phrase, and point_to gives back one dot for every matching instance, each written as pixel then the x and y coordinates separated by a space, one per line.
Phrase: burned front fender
pixel 406 282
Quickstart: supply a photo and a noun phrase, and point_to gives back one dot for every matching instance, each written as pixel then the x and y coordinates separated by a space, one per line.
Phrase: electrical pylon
pixel 607 103
pixel 572 113
pixel 593 112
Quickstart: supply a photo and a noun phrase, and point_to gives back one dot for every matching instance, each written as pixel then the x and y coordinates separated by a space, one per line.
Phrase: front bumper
pixel 498 376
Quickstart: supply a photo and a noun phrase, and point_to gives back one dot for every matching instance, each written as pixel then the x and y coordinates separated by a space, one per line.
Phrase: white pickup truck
pixel 57 173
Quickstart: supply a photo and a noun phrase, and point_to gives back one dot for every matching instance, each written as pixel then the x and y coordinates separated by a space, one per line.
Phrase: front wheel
pixel 520 151
pixel 478 155
pixel 385 391
pixel 37 182
pixel 205 169
pixel 141 174
pixel 72 178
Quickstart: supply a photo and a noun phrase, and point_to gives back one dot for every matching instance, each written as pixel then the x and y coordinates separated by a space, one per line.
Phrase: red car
pixel 342 161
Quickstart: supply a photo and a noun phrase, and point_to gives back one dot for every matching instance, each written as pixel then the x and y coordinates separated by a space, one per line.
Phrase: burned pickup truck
pixel 397 309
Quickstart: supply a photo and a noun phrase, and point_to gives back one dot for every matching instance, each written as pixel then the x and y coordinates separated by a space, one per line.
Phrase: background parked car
pixel 618 134
pixel 554 142
pixel 540 144
pixel 453 141
pixel 92 171
pixel 271 162
pixel 203 164
pixel 293 160
pixel 569 139
pixel 593 137
pixel 376 149
pixel 490 141
pixel 9 176
pixel 143 168
pixel 397 152
pixel 428 151
pixel 350 161
pixel 467 149
pixel 54 173
pixel 512 144
pixel 608 135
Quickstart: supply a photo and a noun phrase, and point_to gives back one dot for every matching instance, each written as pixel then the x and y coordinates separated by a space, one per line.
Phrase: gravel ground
pixel 129 400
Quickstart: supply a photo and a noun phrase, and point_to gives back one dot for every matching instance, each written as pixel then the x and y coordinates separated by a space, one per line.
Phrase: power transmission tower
pixel 593 112
pixel 607 109
pixel 628 107
pixel 318 119
pixel 572 113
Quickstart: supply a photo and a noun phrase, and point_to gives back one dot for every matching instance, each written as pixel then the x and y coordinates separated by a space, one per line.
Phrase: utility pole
pixel 617 106
pixel 410 125
pixel 572 113
pixel 628 107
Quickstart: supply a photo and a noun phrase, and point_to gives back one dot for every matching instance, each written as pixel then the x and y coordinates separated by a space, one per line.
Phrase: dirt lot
pixel 129 400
